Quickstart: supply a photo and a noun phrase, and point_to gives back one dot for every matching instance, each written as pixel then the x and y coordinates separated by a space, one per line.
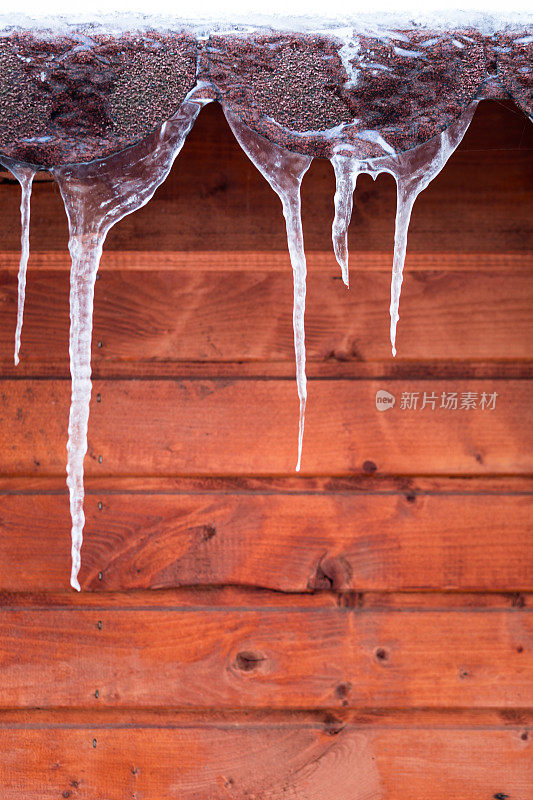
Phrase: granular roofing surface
pixel 76 96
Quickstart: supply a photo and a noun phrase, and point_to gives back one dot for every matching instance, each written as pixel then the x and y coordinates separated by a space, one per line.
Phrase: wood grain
pixel 268 657
pixel 402 542
pixel 165 317
pixel 361 632
pixel 242 427
pixel 110 763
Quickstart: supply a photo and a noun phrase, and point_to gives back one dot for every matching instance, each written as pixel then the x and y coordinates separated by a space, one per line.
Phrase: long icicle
pixel 85 251
pixel 346 169
pixel 284 172
pixel 96 196
pixel 26 181
pixel 295 240
pixel 24 174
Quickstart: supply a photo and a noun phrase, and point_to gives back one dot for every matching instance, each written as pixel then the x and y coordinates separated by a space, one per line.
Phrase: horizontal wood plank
pixel 215 199
pixel 108 763
pixel 403 542
pixel 242 427
pixel 514 261
pixel 198 284
pixel 166 317
pixel 268 657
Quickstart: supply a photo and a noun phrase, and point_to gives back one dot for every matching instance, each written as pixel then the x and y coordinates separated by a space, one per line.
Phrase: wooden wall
pixel 358 632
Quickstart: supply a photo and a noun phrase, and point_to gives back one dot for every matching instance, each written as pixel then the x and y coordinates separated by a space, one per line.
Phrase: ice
pixel 284 172
pixel 24 174
pixel 413 171
pixel 96 196
pixel 346 169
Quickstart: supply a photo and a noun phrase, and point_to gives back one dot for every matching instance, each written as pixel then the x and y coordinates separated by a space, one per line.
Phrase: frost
pixel 24 175
pixel 284 172
pixel 96 196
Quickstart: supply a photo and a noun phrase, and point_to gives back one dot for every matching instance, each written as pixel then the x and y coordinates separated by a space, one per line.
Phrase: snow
pixel 304 15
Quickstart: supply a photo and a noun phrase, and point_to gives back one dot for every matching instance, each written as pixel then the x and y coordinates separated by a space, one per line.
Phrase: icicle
pixel 346 169
pixel 96 196
pixel 25 178
pixel 24 175
pixel 284 172
pixel 414 170
pixel 406 194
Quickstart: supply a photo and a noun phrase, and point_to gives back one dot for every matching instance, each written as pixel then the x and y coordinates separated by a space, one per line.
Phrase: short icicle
pixel 24 175
pixel 96 196
pixel 346 168
pixel 414 170
pixel 284 172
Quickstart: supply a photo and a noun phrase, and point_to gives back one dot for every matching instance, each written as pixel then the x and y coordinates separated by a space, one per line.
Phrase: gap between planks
pixel 264 719
pixel 234 598
pixel 113 370
pixel 360 484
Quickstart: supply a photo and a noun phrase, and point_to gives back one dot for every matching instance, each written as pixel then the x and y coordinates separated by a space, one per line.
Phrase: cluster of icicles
pixel 98 194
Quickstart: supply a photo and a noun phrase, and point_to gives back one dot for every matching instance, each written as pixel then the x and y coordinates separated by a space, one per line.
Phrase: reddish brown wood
pixel 272 261
pixel 292 543
pixel 243 427
pixel 183 457
pixel 268 657
pixel 104 762
pixel 160 318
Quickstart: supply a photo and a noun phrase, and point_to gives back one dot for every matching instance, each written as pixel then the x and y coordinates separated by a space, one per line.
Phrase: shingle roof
pixel 76 96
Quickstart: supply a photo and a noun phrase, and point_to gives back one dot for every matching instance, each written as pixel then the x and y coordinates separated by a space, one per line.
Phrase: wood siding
pixel 361 631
